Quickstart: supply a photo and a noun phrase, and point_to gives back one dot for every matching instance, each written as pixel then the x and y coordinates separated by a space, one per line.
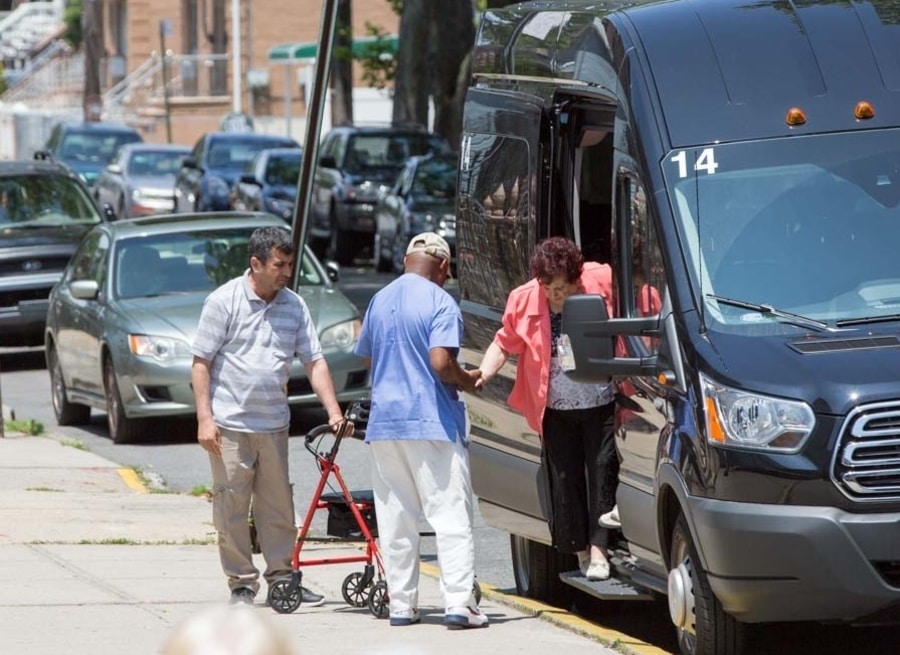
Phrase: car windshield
pixel 366 151
pixel 436 178
pixel 94 146
pixel 188 262
pixel 154 162
pixel 283 170
pixel 45 200
pixel 235 153
pixel 805 225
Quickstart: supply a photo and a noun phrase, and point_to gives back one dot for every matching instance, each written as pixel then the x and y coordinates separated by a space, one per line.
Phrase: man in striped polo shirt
pixel 250 330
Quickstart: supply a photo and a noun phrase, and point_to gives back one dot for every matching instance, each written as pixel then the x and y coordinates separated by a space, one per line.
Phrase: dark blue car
pixel 216 162
pixel 87 148
pixel 269 183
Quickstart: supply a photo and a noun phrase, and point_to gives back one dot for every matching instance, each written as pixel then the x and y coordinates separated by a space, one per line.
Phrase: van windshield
pixel 806 225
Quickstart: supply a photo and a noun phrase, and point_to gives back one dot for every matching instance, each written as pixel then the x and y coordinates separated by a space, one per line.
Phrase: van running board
pixel 612 589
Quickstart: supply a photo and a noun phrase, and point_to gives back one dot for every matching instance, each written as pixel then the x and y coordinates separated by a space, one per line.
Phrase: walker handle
pixel 317 432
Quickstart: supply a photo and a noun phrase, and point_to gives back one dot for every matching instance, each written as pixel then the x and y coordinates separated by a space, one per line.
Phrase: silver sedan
pixel 122 319
pixel 140 180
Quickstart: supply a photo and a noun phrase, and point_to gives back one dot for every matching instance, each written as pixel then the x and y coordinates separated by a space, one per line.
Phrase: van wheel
pixel 121 428
pixel 703 627
pixel 66 413
pixel 536 569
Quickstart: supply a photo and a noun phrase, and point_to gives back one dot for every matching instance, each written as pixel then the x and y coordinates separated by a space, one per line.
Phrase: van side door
pixel 497 209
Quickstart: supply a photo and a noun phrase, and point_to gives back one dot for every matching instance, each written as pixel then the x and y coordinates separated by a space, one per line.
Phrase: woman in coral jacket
pixel 575 420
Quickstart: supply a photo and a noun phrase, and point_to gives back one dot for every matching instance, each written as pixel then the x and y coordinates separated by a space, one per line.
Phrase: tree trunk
pixel 452 28
pixel 411 79
pixel 342 67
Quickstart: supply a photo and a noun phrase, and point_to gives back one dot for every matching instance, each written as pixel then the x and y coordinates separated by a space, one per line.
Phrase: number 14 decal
pixel 705 162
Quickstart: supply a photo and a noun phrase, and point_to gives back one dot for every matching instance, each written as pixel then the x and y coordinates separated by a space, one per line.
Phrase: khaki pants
pixel 253 465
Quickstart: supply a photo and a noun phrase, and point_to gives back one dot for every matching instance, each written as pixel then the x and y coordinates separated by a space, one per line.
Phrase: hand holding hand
pixel 472 381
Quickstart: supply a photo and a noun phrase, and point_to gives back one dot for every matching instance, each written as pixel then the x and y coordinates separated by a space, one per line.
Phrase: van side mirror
pixel 594 336
pixel 114 169
pixel 248 178
pixel 189 162
pixel 327 161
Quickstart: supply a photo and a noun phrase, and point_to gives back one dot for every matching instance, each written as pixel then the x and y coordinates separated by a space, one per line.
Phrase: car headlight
pixel 342 336
pixel 162 349
pixel 749 420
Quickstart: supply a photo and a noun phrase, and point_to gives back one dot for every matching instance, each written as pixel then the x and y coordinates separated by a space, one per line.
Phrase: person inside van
pixel 574 420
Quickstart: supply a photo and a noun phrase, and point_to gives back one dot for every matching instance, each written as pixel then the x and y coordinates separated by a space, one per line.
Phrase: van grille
pixel 867 462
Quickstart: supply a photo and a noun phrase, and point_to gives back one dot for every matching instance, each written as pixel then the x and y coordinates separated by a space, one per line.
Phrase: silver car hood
pixel 176 315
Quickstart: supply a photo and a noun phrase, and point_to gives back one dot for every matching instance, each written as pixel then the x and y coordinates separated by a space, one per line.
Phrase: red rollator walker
pixel 351 517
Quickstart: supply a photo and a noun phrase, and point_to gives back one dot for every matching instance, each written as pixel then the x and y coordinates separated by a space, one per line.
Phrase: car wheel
pixel 66 413
pixel 121 428
pixel 536 569
pixel 382 264
pixel 703 626
pixel 341 247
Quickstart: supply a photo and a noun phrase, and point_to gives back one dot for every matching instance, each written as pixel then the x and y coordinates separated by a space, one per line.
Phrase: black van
pixel 738 165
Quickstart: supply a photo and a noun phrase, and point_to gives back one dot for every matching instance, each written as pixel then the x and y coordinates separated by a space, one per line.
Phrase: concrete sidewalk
pixel 94 565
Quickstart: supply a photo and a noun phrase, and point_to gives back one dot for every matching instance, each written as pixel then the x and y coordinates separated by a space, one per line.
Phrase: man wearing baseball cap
pixel 417 432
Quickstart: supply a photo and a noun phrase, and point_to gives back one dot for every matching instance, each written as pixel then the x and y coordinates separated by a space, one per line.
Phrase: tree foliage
pixel 74 34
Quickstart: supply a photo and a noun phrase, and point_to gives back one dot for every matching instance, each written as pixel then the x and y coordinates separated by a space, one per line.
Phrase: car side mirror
pixel 84 289
pixel 189 162
pixel 109 213
pixel 247 178
pixel 327 161
pixel 114 169
pixel 333 270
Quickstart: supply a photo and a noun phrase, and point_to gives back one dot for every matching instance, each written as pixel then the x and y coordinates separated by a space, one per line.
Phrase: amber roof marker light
pixel 795 116
pixel 864 110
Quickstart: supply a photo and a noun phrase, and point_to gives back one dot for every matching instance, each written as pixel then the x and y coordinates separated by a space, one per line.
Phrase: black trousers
pixel 579 452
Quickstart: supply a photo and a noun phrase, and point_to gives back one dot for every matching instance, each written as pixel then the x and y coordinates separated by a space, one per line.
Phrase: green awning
pixel 287 52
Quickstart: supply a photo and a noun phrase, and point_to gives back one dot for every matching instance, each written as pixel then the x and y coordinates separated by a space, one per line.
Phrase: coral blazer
pixel 526 332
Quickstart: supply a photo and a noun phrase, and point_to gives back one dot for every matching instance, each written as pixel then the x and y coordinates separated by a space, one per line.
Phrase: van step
pixel 606 589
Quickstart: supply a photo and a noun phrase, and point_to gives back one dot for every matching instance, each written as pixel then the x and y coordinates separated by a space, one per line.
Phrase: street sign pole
pixel 315 109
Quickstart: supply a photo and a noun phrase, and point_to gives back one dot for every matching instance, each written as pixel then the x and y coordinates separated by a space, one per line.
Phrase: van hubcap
pixel 681 597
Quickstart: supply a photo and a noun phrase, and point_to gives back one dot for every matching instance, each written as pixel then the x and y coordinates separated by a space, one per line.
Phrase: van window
pixel 494 217
pixel 806 225
pixel 645 283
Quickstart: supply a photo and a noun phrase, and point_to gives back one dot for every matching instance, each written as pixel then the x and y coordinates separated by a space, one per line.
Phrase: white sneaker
pixel 457 618
pixel 598 570
pixel 405 617
pixel 584 561
pixel 611 519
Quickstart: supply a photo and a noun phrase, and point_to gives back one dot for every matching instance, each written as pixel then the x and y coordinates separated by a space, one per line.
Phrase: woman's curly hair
pixel 554 257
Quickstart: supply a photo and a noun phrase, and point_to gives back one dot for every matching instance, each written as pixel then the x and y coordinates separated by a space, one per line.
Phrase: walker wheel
pixel 353 590
pixel 281 599
pixel 379 602
pixel 476 591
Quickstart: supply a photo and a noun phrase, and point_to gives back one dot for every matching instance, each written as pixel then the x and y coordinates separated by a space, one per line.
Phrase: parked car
pixel 140 180
pixel 87 147
pixel 215 164
pixel 422 200
pixel 269 183
pixel 123 317
pixel 45 210
pixel 357 165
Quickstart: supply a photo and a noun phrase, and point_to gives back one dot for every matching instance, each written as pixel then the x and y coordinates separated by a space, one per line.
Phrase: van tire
pixel 715 631
pixel 536 569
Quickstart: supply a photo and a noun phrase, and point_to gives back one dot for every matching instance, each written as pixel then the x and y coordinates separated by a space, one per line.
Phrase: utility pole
pixel 236 56
pixel 92 29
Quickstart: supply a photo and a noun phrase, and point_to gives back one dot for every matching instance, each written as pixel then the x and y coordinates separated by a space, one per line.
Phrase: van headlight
pixel 749 420
pixel 342 336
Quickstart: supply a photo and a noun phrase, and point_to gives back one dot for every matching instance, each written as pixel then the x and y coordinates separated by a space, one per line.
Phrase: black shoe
pixel 310 599
pixel 242 596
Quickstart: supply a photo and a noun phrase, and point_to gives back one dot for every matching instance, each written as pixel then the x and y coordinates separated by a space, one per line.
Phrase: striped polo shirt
pixel 251 345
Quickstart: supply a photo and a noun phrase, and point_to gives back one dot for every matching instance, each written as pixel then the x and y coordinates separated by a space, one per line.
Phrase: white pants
pixel 424 479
